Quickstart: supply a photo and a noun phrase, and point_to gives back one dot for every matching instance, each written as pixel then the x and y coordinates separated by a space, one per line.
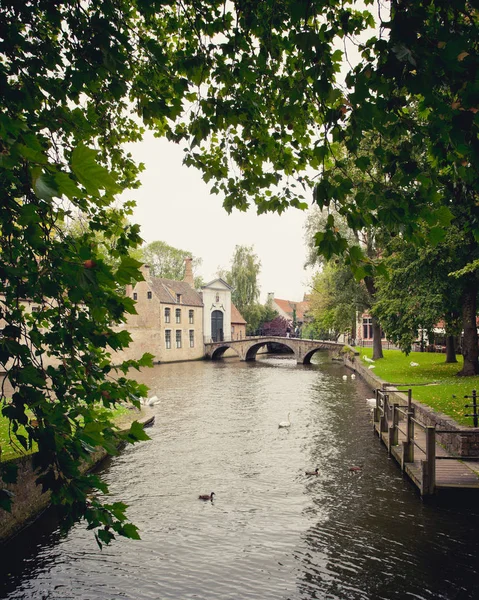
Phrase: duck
pixel 285 423
pixel 206 496
pixel 356 468
pixel 315 472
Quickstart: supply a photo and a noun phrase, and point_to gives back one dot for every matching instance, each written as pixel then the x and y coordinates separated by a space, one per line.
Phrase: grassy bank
pixel 11 450
pixel 444 391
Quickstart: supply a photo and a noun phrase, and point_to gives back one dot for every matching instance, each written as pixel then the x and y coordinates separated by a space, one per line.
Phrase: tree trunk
pixel 450 349
pixel 377 343
pixel 470 350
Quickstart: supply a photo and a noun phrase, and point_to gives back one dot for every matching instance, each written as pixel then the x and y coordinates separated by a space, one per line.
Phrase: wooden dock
pixel 413 445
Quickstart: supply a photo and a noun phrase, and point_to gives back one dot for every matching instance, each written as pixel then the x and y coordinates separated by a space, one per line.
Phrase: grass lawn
pixel 14 450
pixel 446 391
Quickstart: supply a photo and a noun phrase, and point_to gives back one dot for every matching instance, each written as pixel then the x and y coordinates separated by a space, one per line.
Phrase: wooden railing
pixel 397 424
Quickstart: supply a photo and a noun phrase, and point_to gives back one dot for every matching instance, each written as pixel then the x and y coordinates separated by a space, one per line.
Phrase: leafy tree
pixel 78 224
pixel 419 291
pixel 336 298
pixel 256 315
pixel 64 73
pixel 278 326
pixel 243 277
pixel 168 262
pixel 336 295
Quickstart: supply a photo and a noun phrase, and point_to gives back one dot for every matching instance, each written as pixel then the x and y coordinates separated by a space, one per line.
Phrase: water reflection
pixel 271 532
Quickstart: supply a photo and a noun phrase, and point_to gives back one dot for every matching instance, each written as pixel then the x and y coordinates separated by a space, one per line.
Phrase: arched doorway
pixel 217 326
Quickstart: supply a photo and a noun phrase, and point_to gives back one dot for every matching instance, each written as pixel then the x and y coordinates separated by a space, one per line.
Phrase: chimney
pixel 188 278
pixel 145 271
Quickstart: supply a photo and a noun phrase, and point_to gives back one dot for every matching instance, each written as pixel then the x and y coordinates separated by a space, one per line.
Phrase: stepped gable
pixel 166 289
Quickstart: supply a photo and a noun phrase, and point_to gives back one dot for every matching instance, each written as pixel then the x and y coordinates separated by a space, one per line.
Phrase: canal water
pixel 272 532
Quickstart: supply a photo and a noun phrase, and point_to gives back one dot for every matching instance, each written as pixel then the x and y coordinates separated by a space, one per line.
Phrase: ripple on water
pixel 272 532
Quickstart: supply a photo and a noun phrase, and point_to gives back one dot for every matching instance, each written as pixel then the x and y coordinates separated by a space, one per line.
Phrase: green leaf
pixel 128 270
pixel 136 433
pixel 90 173
pixel 130 531
pixel 436 235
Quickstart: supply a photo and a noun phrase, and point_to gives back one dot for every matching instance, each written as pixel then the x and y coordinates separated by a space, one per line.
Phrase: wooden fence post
pixel 393 429
pixel 408 445
pixel 428 483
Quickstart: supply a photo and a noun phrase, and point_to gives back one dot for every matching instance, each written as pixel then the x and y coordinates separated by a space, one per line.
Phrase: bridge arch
pixel 253 348
pixel 309 355
pixel 219 351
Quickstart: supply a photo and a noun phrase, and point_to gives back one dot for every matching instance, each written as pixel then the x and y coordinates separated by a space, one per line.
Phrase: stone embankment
pixel 29 501
pixel 462 441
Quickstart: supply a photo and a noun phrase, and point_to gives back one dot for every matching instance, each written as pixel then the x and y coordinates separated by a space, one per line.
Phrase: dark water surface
pixel 271 533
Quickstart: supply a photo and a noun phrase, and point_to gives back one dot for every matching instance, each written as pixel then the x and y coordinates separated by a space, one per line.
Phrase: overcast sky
pixel 174 206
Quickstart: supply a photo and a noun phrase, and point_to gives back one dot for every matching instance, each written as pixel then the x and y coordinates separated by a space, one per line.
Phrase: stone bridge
pixel 247 348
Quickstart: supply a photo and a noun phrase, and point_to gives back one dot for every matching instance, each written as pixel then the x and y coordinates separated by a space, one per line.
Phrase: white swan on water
pixel 153 401
pixel 285 423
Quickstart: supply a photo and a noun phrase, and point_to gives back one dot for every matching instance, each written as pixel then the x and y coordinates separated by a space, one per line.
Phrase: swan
pixel 285 423
pixel 315 472
pixel 371 401
pixel 414 364
pixel 153 400
pixel 372 367
pixel 345 377
pixel 206 496
pixel 367 359
pixel 353 376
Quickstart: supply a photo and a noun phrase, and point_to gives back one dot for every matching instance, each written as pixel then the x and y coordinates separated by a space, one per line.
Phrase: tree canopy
pixel 168 262
pixel 243 277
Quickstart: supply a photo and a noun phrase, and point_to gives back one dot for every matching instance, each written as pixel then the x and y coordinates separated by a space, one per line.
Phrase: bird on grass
pixel 367 359
pixel 206 496
pixel 315 472
pixel 285 423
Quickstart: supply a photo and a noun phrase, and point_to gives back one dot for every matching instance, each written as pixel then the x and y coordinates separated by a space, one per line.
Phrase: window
pixel 192 338
pixel 168 339
pixel 367 328
pixel 35 309
pixel 167 315
pixel 191 317
pixel 178 338
pixel 135 296
pixel 149 295
pixel 178 297
pixel 178 315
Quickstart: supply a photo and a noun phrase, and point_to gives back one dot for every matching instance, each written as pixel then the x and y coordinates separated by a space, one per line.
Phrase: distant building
pixel 217 310
pixel 295 312
pixel 169 319
pixel 238 324
pixel 173 320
